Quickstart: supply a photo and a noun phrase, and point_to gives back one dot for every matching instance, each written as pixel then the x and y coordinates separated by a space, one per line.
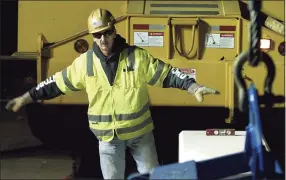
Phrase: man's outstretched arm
pixel 65 81
pixel 164 75
pixel 47 89
pixel 180 80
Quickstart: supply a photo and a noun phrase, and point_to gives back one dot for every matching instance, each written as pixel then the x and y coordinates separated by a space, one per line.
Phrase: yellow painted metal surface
pixel 192 23
pixel 211 70
pixel 273 8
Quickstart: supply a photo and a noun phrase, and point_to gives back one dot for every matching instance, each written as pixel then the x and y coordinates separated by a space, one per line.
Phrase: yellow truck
pixel 202 38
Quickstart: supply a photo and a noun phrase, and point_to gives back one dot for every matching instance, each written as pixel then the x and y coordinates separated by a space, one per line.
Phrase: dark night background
pixel 9 18
pixel 169 121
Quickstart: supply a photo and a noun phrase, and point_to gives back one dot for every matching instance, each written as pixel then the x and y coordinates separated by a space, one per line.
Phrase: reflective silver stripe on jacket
pixel 89 63
pixel 131 58
pixel 67 81
pixel 158 73
pixel 100 118
pixel 119 117
pixel 135 128
pixel 109 132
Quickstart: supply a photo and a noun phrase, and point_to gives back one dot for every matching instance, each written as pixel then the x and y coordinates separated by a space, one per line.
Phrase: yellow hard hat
pixel 100 20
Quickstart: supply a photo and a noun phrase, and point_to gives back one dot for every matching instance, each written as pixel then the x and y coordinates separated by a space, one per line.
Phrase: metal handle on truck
pixel 195 37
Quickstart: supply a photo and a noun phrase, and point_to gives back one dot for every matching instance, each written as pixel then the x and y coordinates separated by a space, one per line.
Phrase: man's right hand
pixel 15 104
pixel 18 102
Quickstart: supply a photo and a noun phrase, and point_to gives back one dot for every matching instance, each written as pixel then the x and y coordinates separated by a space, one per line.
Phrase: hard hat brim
pixel 100 30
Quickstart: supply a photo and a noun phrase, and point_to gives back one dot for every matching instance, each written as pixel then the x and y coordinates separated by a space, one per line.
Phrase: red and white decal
pixel 221 40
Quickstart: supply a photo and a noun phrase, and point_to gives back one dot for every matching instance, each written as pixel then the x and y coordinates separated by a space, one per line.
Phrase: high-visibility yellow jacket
pixel 122 108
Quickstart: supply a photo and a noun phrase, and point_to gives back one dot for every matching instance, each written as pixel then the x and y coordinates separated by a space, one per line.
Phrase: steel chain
pixel 254 7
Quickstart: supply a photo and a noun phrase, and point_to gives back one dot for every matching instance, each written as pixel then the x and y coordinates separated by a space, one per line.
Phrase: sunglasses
pixel 106 34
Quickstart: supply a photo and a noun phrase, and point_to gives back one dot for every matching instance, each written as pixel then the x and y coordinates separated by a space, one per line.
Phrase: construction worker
pixel 115 76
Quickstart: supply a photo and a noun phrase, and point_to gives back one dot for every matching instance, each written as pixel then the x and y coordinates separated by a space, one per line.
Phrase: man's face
pixel 105 39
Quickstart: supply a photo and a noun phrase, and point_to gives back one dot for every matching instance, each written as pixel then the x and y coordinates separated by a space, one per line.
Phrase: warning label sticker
pixel 150 39
pixel 141 39
pixel 223 40
pixel 156 38
pixel 190 72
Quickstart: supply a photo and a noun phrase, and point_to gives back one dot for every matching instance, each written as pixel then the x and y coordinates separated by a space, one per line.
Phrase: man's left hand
pixel 200 91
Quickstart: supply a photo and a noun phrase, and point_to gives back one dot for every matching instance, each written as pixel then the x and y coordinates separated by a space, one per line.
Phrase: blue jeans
pixel 112 155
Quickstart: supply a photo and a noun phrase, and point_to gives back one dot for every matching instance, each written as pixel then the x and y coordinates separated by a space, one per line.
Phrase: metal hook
pixel 240 83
